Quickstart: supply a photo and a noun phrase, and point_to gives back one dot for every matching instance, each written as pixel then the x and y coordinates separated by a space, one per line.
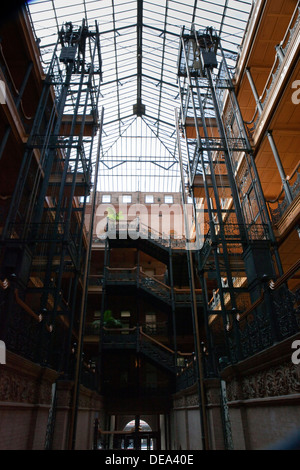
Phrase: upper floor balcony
pixel 268 64
pixel 21 75
pixel 286 208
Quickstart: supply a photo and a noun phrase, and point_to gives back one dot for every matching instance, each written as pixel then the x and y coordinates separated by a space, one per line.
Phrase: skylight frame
pixel 161 27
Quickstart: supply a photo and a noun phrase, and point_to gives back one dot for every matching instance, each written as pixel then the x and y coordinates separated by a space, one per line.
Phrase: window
pixel 125 314
pixel 150 323
pixel 106 198
pixel 149 199
pixel 82 198
pixel 125 319
pixel 126 198
pixel 168 199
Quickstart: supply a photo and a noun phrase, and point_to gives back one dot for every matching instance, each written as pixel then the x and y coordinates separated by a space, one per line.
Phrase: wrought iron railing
pixel 136 229
pixel 233 234
pixel 156 328
pixel 274 317
pixel 137 338
pixel 151 284
pixel 95 280
pixel 278 206
pixel 283 46
pixel 186 376
pixel 154 286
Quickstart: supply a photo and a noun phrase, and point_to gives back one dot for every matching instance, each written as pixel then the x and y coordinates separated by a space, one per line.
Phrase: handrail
pixel 26 307
pixel 145 275
pixel 162 345
pixel 155 341
pixel 154 279
pixel 275 285
pixel 289 177
pixel 119 329
pixel 293 269
pixel 122 269
pixel 157 281
pixel 288 30
pixel 186 290
pixel 295 170
pixel 159 235
pixel 272 73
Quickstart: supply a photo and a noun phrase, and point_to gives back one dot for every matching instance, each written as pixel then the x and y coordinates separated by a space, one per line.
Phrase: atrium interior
pixel 150 225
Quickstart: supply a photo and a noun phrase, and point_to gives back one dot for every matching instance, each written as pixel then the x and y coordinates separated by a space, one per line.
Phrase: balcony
pixel 274 317
pixel 134 229
pixel 95 283
pixel 284 209
pixel 287 53
pixel 150 284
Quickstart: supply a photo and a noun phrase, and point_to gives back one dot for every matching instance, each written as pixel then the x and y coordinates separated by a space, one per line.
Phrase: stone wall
pixel 261 410
pixel 187 432
pixel 25 400
pixel 263 394
pixel 90 407
pixel 25 397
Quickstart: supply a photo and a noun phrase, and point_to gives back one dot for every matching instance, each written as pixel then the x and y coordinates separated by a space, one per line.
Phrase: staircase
pixel 155 287
pixel 150 241
pixel 144 344
pixel 150 284
pixel 158 353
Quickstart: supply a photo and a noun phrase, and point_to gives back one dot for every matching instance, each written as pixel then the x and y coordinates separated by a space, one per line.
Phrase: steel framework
pixel 238 250
pixel 44 242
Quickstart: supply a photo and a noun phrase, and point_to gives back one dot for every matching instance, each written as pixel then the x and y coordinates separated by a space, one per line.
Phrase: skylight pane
pixel 162 22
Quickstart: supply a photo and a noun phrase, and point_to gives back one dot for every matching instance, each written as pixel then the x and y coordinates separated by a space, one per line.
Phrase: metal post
pixel 198 351
pixel 279 53
pixel 217 200
pixel 254 91
pixel 171 277
pixel 285 184
pixel 271 141
pixel 75 398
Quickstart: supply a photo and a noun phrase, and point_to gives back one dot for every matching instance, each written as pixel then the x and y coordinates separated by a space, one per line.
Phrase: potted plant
pixel 109 321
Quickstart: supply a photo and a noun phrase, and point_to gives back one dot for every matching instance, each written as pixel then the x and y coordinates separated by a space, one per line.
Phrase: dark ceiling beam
pixel 119 28
pixel 116 62
pixel 194 12
pixel 162 64
pixel 124 118
pixel 155 79
pixel 162 31
pixel 139 109
pixel 223 18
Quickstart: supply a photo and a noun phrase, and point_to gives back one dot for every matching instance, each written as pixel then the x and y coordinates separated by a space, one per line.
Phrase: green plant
pixel 113 215
pixel 109 321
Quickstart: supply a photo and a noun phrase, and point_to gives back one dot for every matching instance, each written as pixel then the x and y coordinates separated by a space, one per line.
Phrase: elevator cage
pixel 238 253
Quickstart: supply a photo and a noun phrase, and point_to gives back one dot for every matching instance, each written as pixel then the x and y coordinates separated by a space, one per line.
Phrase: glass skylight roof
pixel 155 27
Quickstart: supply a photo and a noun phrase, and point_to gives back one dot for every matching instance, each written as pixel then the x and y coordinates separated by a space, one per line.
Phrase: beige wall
pixel 264 397
pixel 25 398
